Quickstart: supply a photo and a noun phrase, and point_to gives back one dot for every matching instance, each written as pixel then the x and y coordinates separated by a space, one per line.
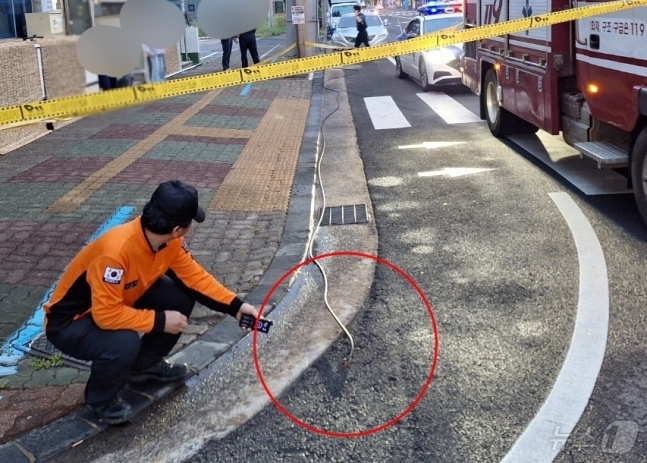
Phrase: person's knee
pixel 122 348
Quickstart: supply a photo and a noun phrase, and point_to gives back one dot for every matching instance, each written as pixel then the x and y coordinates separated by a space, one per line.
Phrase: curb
pixel 65 433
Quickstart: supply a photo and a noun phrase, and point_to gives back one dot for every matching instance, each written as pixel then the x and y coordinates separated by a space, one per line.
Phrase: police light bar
pixel 432 8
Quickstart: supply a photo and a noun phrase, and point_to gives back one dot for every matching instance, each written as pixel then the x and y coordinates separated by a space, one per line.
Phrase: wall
pixel 21 83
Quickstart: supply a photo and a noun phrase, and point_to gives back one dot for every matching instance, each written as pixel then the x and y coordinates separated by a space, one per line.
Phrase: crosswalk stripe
pixel 384 113
pixel 449 109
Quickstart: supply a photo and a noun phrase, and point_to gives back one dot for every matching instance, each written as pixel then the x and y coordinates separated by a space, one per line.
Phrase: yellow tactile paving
pixel 261 178
pixel 75 197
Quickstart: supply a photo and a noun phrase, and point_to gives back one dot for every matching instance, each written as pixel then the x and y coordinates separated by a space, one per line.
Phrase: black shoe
pixel 116 412
pixel 161 371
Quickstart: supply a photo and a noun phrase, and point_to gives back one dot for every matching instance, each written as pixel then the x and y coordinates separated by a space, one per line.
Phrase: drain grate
pixel 41 347
pixel 345 215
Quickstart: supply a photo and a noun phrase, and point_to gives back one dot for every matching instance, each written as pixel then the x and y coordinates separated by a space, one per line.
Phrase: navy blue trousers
pixel 247 41
pixel 115 352
pixel 226 52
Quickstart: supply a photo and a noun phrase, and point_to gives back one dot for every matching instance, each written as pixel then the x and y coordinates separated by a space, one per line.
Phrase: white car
pixel 337 10
pixel 436 67
pixel 346 31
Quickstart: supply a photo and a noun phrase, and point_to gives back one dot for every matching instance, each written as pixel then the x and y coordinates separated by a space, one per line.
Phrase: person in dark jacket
pixel 247 41
pixel 362 35
pixel 136 279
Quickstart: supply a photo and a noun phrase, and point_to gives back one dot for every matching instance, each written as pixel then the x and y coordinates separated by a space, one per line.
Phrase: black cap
pixel 179 201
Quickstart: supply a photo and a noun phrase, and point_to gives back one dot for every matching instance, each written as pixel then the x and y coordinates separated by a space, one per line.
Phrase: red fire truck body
pixel 586 79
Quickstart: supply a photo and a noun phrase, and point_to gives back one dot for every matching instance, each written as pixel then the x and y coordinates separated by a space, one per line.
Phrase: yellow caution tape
pixel 324 45
pixel 281 53
pixel 82 105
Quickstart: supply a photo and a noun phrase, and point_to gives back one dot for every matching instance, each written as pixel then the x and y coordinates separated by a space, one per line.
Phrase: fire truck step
pixel 604 153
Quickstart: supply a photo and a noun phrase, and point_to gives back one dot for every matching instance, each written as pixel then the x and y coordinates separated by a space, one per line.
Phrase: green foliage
pixel 278 27
pixel 201 33
pixel 3 384
pixel 40 363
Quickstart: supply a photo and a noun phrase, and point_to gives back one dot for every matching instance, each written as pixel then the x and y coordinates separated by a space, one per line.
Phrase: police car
pixel 440 7
pixel 437 67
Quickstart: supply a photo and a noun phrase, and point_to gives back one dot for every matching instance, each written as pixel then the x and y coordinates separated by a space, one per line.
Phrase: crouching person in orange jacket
pixel 138 277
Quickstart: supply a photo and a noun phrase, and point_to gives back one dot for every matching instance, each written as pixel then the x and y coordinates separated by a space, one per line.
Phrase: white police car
pixel 436 67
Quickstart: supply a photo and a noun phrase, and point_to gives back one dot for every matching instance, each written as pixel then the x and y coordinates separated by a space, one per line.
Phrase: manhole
pixel 345 215
pixel 41 347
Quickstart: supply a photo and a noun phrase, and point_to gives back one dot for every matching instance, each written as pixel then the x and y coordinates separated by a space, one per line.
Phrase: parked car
pixel 440 7
pixel 436 67
pixel 337 10
pixel 346 31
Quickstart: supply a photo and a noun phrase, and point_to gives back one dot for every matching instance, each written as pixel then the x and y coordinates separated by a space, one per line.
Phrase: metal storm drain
pixel 41 347
pixel 345 215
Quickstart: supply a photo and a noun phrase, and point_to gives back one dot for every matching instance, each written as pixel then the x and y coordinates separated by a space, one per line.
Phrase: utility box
pixel 190 46
pixel 45 24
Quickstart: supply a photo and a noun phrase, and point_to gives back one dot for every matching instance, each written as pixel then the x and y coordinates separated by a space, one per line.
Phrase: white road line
pixel 547 432
pixel 430 145
pixel 449 109
pixel 384 113
pixel 583 174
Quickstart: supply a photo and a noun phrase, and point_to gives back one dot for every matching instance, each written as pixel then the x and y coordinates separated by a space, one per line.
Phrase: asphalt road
pixel 497 261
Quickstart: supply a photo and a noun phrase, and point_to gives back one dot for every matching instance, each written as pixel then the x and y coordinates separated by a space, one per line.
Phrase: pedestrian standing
pixel 136 278
pixel 247 41
pixel 227 45
pixel 156 63
pixel 362 35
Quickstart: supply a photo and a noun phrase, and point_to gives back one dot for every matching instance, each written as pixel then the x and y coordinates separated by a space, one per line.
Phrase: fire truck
pixel 585 79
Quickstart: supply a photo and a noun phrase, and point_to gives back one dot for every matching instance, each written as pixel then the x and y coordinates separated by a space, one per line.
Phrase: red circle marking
pixel 424 388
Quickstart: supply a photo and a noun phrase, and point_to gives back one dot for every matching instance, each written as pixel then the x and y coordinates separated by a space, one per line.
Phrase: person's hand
pixel 175 322
pixel 249 310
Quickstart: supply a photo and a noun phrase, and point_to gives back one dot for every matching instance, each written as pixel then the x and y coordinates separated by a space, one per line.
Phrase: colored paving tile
pixel 254 186
pixel 30 200
pixel 165 106
pixel 127 131
pixel 153 172
pixel 18 162
pixel 215 140
pixel 238 100
pixel 229 110
pixel 74 198
pixel 17 305
pixel 111 196
pixel 54 170
pixel 150 117
pixel 35 253
pixel 108 148
pixel 195 151
pixel 230 122
pixel 39 147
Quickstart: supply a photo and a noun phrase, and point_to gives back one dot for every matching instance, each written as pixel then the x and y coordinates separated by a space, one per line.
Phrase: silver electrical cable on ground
pixel 319 181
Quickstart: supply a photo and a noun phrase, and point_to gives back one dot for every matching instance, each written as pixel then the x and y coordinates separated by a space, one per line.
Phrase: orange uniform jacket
pixel 106 278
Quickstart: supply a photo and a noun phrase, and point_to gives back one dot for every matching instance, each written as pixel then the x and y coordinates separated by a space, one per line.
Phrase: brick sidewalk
pixel 239 150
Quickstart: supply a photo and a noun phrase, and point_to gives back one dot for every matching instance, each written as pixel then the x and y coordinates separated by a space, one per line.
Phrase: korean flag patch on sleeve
pixel 113 275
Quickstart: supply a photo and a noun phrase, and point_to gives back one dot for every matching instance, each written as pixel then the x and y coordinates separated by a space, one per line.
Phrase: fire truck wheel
pixel 639 172
pixel 500 121
pixel 398 69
